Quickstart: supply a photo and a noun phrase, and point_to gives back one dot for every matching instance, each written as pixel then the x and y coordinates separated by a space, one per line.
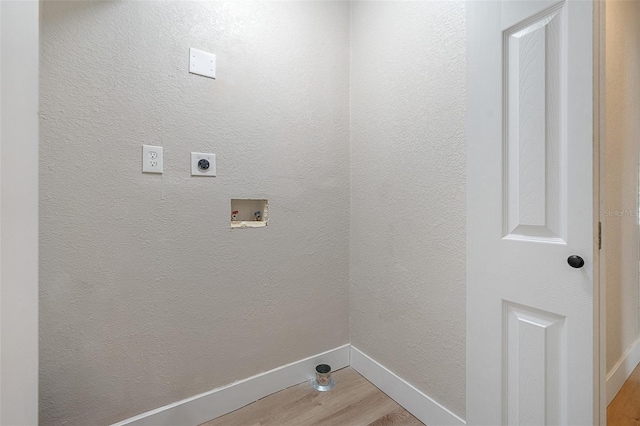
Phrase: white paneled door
pixel 530 249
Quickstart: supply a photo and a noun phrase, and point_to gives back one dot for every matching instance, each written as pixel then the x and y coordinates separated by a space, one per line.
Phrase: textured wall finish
pixel 620 222
pixel 147 296
pixel 408 93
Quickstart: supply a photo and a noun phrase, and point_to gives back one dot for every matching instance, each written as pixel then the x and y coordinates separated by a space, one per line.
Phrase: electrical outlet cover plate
pixel 152 160
pixel 203 164
pixel 202 63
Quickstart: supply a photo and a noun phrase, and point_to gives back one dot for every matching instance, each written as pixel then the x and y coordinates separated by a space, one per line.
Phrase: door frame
pixel 599 272
pixel 19 98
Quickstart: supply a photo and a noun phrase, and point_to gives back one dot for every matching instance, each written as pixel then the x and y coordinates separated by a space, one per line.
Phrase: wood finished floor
pixel 624 410
pixel 354 401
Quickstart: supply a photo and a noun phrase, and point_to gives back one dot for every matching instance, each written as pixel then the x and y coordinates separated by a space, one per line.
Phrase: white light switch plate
pixel 152 160
pixel 202 63
pixel 203 164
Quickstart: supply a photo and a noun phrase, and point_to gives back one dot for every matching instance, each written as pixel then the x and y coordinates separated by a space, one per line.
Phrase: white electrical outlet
pixel 203 164
pixel 151 159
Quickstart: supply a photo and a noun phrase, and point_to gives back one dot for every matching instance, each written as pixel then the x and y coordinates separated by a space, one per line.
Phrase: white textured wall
pixel 621 169
pixel 147 296
pixel 19 212
pixel 407 293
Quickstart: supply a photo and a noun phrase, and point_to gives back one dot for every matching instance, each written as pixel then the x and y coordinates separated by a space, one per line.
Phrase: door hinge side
pixel 599 235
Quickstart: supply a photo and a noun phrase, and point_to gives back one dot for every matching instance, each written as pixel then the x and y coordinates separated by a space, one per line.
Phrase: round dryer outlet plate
pixel 203 164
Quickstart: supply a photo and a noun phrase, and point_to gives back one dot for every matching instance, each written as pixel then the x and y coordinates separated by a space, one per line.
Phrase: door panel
pixel 535 367
pixel 530 206
pixel 534 58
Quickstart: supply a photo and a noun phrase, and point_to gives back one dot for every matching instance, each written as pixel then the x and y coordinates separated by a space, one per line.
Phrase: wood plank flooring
pixel 624 410
pixel 354 401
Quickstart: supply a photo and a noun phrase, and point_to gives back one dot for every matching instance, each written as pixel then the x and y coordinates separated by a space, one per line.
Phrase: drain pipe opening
pixel 323 381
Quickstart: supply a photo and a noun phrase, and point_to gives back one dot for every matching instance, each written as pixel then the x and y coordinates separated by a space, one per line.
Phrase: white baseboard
pixel 215 403
pixel 622 370
pixel 414 401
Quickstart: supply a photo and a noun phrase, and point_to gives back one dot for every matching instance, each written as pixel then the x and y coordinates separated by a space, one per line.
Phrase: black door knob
pixel 575 261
